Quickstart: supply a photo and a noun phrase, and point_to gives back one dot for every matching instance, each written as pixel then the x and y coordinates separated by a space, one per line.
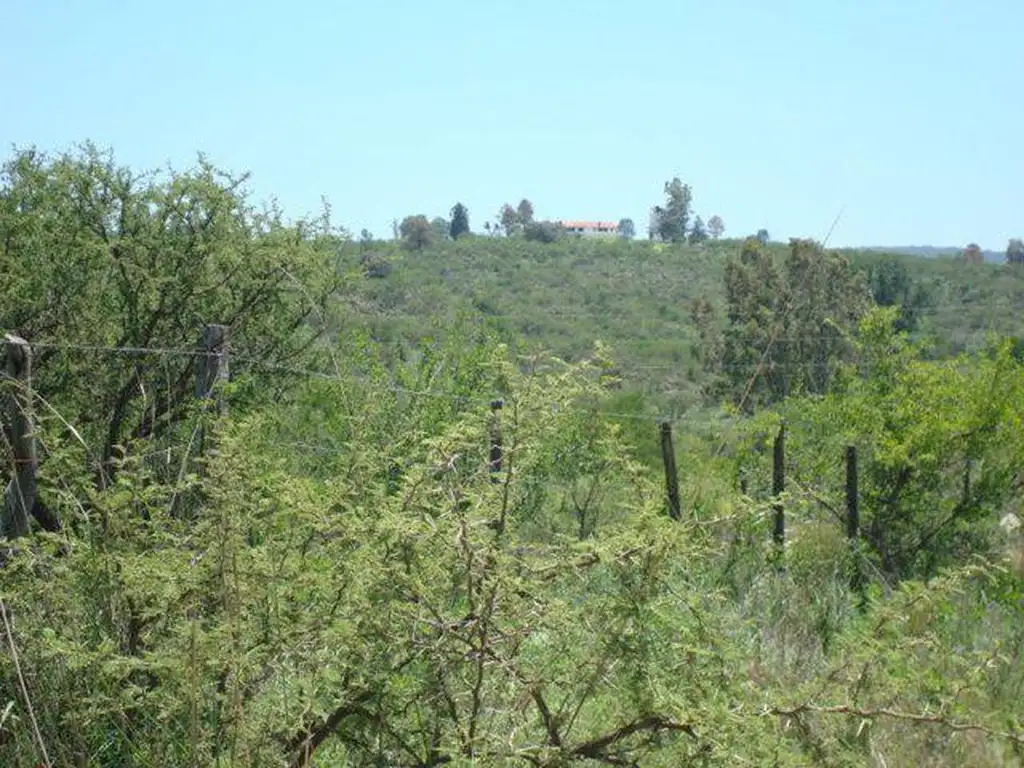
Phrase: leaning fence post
pixel 779 486
pixel 668 456
pixel 496 454
pixel 20 494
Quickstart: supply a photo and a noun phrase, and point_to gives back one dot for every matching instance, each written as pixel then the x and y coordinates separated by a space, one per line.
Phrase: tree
pixel 716 227
pixel 524 211
pixel 1015 251
pixel 417 232
pixel 440 226
pixel 365 236
pixel 543 231
pixel 460 221
pixel 97 256
pixel 509 218
pixel 892 286
pixel 788 323
pixel 972 254
pixel 698 234
pixel 763 237
pixel 673 220
pixel 627 229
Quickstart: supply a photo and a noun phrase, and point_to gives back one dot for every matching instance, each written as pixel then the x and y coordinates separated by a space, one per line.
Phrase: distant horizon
pixel 778 117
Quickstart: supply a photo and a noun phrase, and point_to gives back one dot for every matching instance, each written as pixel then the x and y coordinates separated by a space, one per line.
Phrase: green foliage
pixel 626 229
pixel 543 231
pixel 440 226
pixel 671 222
pixel 459 222
pixel 336 574
pixel 96 256
pixel 892 285
pixel 788 324
pixel 1015 251
pixel 716 227
pixel 938 444
pixel 417 232
pixel 699 233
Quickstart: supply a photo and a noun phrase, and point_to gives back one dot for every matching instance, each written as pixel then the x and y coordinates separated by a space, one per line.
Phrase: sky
pixel 903 116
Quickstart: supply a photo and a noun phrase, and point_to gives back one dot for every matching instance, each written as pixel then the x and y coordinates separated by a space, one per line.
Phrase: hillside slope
pixel 635 296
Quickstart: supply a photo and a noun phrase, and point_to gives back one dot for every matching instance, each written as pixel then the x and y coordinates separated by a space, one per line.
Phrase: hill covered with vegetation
pixel 277 497
pixel 657 305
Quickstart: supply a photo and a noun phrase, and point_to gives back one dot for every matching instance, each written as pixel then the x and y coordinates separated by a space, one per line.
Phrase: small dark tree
pixel 627 229
pixel 763 236
pixel 460 221
pixel 416 232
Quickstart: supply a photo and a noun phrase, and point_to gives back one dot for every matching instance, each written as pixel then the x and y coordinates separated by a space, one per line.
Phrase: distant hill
pixel 636 296
pixel 935 252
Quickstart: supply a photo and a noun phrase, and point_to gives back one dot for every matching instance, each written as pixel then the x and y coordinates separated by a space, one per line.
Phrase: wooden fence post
pixel 779 486
pixel 212 370
pixel 20 494
pixel 853 518
pixel 852 508
pixel 496 455
pixel 212 365
pixel 668 456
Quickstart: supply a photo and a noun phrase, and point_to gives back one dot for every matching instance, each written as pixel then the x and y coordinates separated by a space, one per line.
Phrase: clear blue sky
pixel 908 112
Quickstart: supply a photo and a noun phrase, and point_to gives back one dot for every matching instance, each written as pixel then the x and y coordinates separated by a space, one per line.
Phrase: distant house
pixel 591 228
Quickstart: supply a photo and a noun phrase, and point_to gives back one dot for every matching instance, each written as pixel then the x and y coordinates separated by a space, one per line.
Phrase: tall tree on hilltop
pixel 525 212
pixel 716 227
pixel 673 220
pixel 626 229
pixel 460 221
pixel 1015 251
pixel 763 237
pixel 417 232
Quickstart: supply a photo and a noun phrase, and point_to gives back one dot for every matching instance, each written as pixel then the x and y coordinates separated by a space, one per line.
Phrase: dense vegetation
pixel 344 565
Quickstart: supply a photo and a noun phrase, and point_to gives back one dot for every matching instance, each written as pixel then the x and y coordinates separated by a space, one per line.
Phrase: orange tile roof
pixel 590 224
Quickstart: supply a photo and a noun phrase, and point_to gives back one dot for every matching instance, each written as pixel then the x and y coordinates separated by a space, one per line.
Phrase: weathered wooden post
pixel 853 518
pixel 779 486
pixel 212 371
pixel 496 455
pixel 668 456
pixel 212 365
pixel 20 494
